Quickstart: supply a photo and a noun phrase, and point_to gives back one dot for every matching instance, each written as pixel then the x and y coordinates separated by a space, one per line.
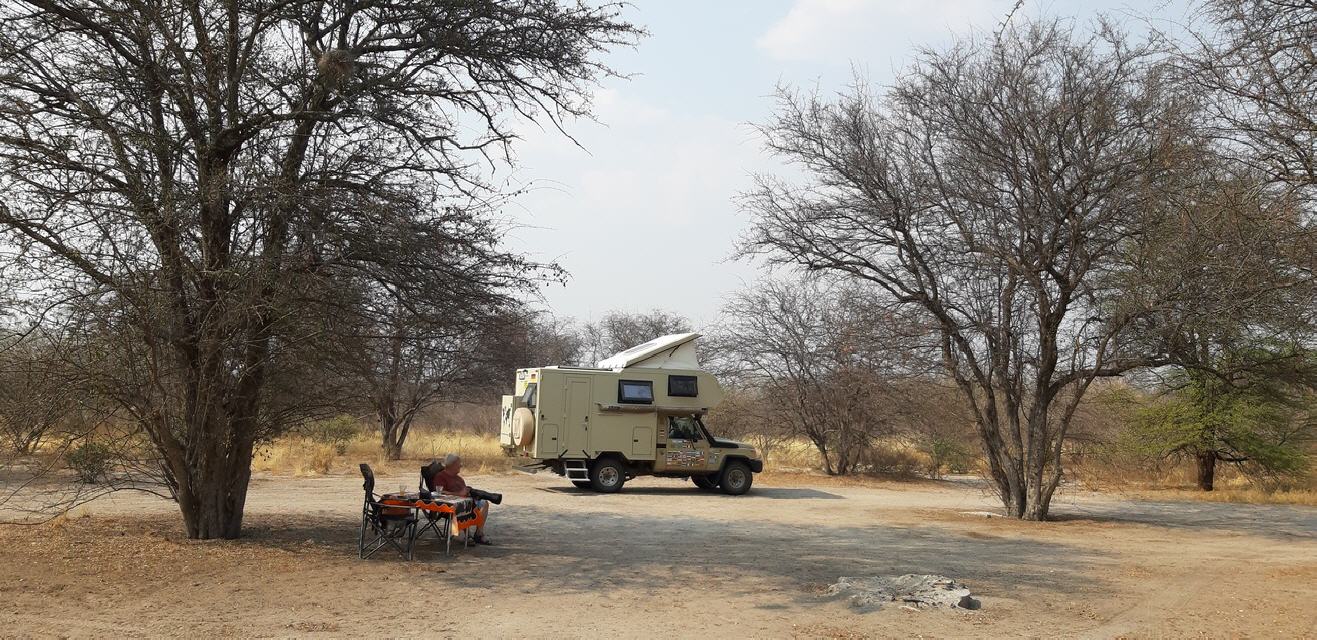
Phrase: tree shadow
pixel 1273 521
pixel 538 550
pixel 771 493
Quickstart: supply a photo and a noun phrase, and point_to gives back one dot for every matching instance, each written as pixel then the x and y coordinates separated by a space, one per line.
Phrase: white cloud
pixel 838 31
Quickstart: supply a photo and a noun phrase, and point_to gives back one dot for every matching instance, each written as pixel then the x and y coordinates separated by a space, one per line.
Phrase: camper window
pixel 635 391
pixel 683 386
pixel 528 396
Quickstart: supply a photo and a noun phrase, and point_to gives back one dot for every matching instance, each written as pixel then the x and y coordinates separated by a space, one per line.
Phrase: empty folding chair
pixel 384 525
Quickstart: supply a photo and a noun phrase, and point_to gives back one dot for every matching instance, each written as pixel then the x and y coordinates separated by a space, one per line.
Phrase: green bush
pixel 336 432
pixel 90 460
pixel 946 453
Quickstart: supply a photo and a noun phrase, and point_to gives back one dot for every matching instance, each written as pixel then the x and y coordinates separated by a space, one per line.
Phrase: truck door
pixel 687 449
pixel 576 423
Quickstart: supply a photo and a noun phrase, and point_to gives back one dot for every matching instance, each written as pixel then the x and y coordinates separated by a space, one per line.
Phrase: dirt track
pixel 665 559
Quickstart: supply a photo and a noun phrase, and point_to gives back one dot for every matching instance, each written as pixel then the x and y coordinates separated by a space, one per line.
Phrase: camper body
pixel 636 414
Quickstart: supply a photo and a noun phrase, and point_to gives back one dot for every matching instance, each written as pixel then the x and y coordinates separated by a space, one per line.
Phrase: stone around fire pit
pixel 911 590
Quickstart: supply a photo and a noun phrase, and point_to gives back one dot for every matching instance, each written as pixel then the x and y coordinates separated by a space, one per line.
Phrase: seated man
pixel 448 481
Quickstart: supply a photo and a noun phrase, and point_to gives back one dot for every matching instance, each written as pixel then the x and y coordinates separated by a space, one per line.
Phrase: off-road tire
pixel 581 484
pixel 736 478
pixel 707 483
pixel 607 475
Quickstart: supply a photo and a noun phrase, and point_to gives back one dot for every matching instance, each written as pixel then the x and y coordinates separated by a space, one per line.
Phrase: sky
pixel 643 213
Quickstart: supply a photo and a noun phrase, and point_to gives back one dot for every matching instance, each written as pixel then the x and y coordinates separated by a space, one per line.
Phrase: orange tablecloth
pixel 462 509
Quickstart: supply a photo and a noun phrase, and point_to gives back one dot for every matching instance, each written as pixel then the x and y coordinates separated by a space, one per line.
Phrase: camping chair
pixel 440 522
pixel 386 525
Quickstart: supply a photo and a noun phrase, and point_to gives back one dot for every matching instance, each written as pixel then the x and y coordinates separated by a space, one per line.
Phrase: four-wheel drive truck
pixel 636 413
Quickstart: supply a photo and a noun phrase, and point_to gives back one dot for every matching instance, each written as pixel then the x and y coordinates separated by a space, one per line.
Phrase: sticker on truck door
pixel 684 457
pixel 683 433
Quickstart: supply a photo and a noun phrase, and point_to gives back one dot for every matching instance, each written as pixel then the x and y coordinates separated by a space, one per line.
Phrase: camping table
pixel 439 508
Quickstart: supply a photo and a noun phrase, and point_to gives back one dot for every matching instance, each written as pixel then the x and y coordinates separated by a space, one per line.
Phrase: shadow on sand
pixel 1274 521
pixel 771 493
pixel 540 549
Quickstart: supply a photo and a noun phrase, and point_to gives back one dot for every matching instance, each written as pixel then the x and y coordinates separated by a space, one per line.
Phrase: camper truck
pixel 637 413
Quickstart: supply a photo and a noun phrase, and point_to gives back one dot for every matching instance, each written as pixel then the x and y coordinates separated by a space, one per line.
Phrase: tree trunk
pixel 393 433
pixel 390 443
pixel 213 506
pixel 1206 470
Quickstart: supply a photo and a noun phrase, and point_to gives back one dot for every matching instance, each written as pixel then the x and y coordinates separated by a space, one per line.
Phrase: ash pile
pixel 910 591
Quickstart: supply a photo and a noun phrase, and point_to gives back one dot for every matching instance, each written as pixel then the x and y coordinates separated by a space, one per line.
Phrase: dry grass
pixel 303 456
pixel 1178 482
pixel 1245 495
pixel 793 455
pixel 892 457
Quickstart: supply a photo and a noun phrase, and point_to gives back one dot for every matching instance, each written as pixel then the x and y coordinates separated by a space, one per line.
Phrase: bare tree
pixel 529 338
pixel 1257 66
pixel 809 355
pixel 210 172
pixel 34 398
pixel 621 330
pixel 420 340
pixel 415 365
pixel 991 191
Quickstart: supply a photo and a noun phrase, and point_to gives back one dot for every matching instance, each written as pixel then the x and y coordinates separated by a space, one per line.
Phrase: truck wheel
pixel 736 478
pixel 708 483
pixel 581 484
pixel 607 475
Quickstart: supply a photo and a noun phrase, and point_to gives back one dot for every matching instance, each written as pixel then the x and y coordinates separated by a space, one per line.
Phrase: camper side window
pixel 683 386
pixel 635 391
pixel 528 396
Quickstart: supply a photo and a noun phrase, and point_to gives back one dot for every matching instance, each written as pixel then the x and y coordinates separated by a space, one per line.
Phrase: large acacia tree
pixel 203 174
pixel 993 192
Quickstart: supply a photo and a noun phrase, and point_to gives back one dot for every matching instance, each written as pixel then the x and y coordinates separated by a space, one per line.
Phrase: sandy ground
pixel 663 559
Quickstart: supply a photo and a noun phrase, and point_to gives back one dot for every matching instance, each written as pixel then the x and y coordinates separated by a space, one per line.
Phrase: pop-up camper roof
pixel 676 351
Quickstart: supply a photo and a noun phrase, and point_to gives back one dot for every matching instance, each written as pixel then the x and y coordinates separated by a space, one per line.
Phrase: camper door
pixel 576 421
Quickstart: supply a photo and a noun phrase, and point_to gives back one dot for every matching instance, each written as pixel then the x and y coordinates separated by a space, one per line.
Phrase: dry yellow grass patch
pixel 1179 482
pixel 302 456
pixel 1248 495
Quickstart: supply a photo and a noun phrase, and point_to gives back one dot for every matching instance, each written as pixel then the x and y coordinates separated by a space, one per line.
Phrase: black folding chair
pixel 440 523
pixel 428 472
pixel 385 525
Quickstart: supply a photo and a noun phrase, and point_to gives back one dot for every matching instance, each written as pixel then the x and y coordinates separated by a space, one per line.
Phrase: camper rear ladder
pixel 576 470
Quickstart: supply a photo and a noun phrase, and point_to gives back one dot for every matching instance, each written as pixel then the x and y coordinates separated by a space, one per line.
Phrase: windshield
pixel 528 396
pixel 705 429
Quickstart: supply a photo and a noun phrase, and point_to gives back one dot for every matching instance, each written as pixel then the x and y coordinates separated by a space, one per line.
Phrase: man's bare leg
pixel 483 506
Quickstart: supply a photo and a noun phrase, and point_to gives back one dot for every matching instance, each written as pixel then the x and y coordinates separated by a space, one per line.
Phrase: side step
pixel 576 470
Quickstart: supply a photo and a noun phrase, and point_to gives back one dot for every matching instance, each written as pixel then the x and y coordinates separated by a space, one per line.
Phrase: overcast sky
pixel 645 215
